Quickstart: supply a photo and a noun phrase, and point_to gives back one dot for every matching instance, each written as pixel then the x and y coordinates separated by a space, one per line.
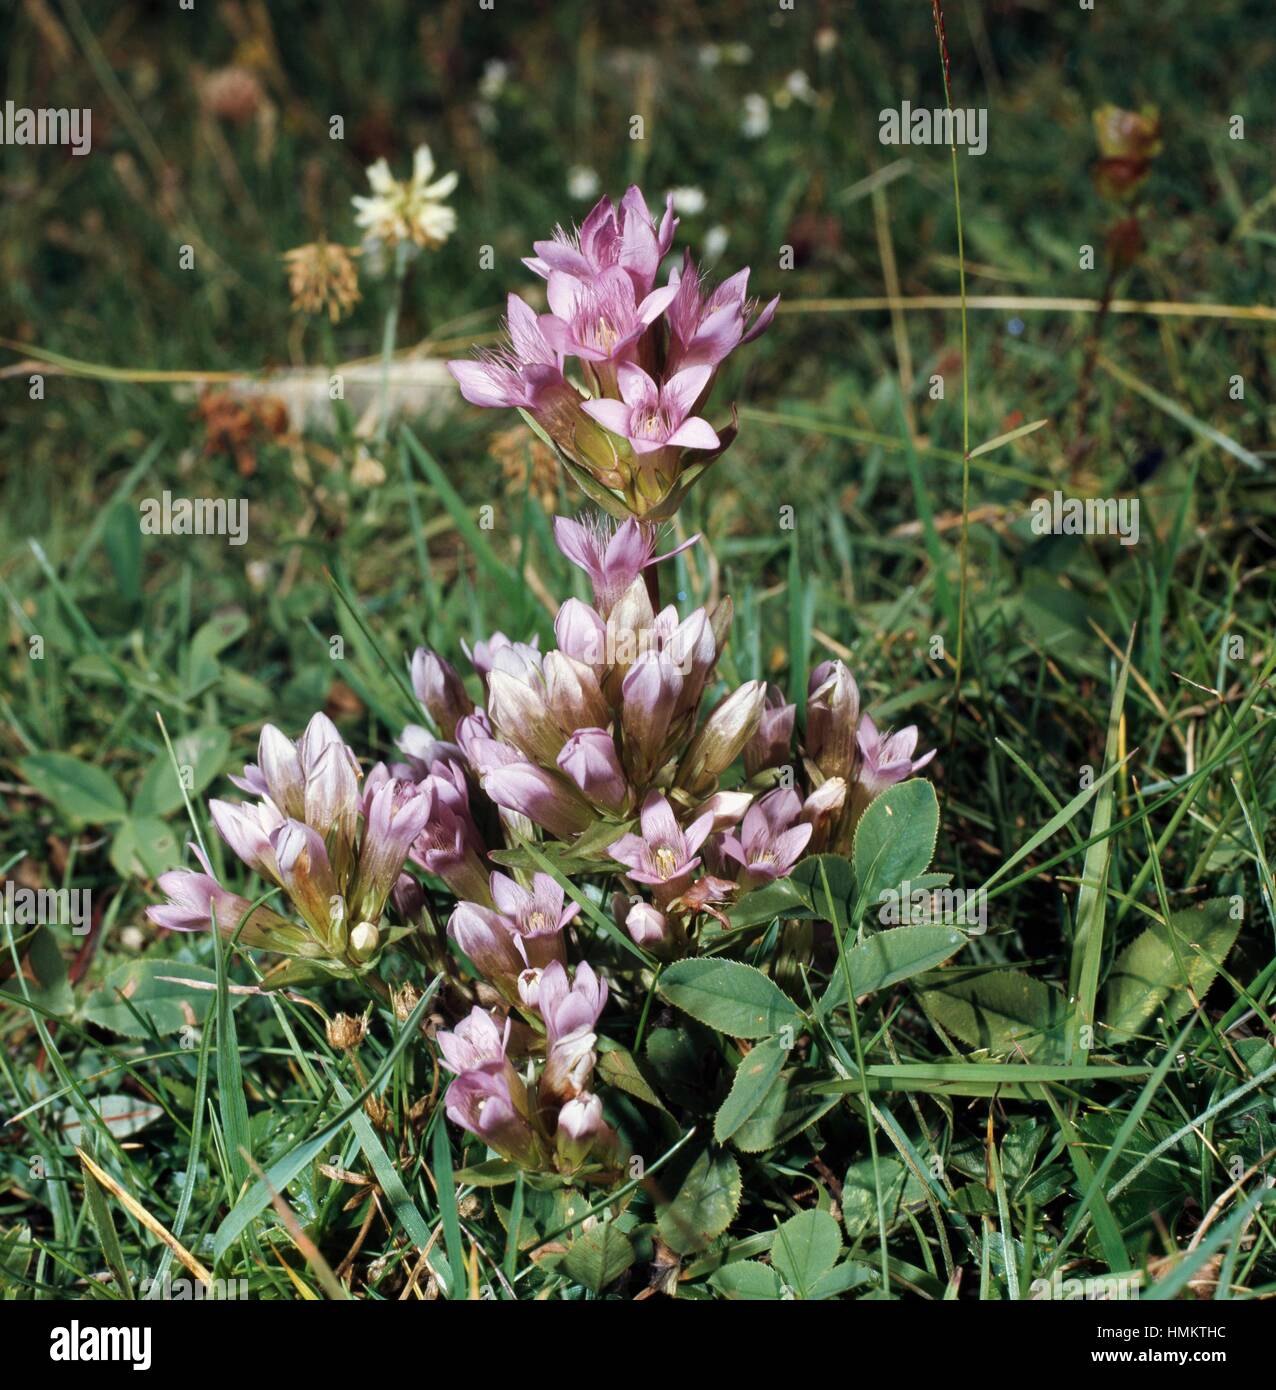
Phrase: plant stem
pixel 401 256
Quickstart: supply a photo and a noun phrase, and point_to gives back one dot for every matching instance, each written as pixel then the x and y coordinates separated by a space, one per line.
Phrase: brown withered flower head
pixel 322 276
pixel 233 94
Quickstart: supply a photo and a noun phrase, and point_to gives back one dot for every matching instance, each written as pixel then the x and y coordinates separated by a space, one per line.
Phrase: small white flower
pixel 407 211
pixel 582 182
pixel 798 84
pixel 492 82
pixel 715 243
pixel 757 116
pixel 737 53
pixel 710 55
pixel 688 201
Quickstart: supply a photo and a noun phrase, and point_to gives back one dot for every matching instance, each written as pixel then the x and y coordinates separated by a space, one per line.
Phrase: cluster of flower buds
pixel 546 1117
pixel 847 758
pixel 335 849
pixel 627 422
pixel 581 734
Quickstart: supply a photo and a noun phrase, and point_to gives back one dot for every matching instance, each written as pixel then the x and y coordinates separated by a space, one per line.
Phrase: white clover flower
pixel 688 201
pixel 582 182
pixel 756 120
pixel 715 242
pixel 407 211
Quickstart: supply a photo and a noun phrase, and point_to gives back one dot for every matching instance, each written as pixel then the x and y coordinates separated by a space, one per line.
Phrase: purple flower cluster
pixel 336 851
pixel 647 355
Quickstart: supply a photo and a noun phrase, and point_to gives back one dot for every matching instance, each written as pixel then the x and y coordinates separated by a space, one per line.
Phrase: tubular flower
pixel 545 798
pixel 654 417
pixel 612 556
pixel 571 1012
pixel 647 356
pixel 483 935
pixel 664 855
pixel 195 898
pixel 589 759
pixel 440 690
pixel 769 843
pixel 832 713
pixel 630 240
pixel 703 331
pixel 486 1102
pixel 534 918
pixel 887 758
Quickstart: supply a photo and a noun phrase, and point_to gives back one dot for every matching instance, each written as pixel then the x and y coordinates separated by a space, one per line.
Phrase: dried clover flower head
pixel 405 1000
pixel 322 276
pixel 233 94
pixel 346 1032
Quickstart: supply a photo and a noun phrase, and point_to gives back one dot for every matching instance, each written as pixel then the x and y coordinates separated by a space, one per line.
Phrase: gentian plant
pixel 620 862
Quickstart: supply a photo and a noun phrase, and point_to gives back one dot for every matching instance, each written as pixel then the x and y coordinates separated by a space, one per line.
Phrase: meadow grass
pixel 1105 738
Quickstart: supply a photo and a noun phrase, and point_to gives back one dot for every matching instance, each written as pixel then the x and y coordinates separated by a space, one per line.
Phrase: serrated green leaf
pixel 616 1066
pixel 1004 1011
pixel 838 903
pixel 895 839
pixel 805 1249
pixel 599 1257
pixel 168 1006
pixel 890 956
pixel 144 847
pixel 78 789
pixel 747 1279
pixel 705 1205
pixel 1146 974
pixel 754 1078
pixel 734 998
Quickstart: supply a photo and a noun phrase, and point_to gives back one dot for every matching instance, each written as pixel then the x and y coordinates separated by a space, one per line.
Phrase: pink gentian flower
pixel 653 417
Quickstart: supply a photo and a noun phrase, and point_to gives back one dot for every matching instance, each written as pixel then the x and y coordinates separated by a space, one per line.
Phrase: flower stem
pixel 401 256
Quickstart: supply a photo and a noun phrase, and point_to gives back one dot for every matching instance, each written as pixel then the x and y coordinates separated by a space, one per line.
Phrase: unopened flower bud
pixel 364 940
pixel 521 714
pixel 832 713
pixel 726 731
pixel 529 987
pixel 581 633
pixel 572 694
pixel 646 924
pixel 580 1125
pixel 589 759
pixel 440 689
pixel 769 746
